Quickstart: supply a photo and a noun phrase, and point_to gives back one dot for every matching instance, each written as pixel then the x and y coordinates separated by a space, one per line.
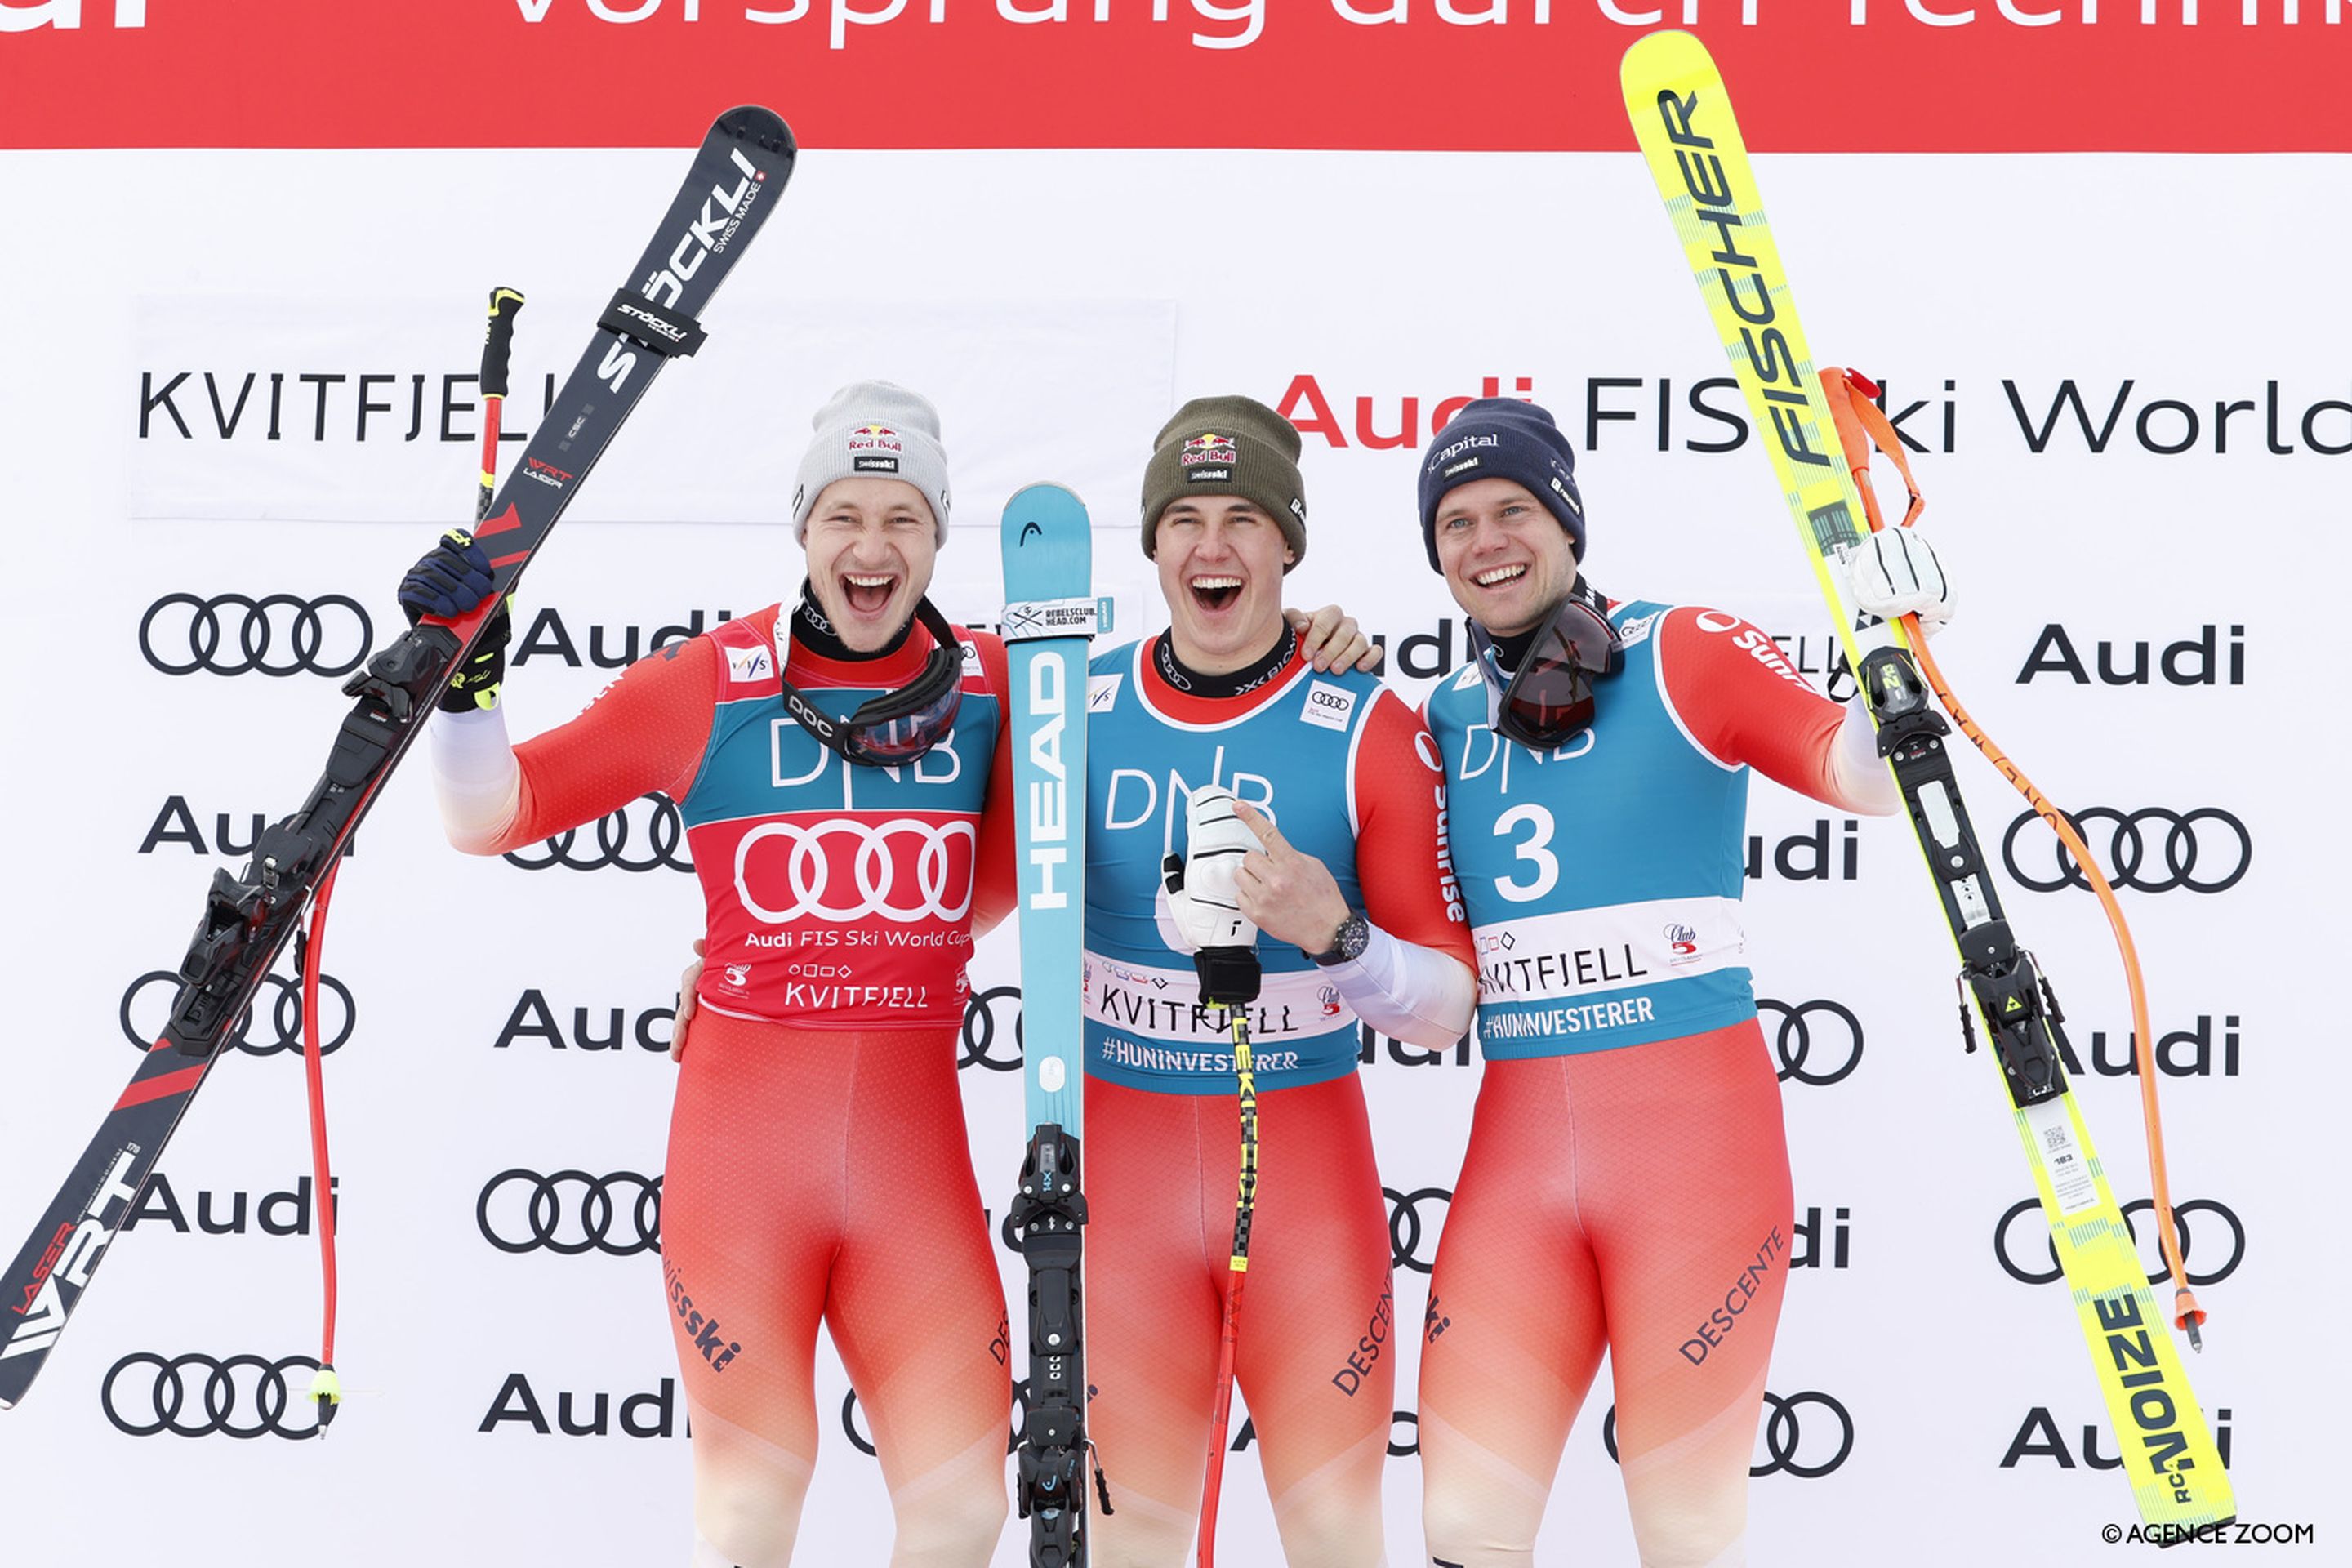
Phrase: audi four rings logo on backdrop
pixel 199 1396
pixel 853 1420
pixel 150 997
pixel 1806 1445
pixel 234 634
pixel 1819 1042
pixel 902 869
pixel 1413 1228
pixel 854 1428
pixel 571 1212
pixel 644 836
pixel 992 1030
pixel 2012 1246
pixel 2206 850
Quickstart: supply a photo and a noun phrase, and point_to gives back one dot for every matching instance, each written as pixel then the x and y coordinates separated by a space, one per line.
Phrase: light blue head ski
pixel 1050 613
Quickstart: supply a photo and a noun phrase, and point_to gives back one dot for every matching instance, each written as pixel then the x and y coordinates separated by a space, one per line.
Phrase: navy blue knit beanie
pixel 1502 438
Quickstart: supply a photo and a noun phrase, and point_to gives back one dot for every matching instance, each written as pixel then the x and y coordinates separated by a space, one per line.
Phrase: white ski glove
pixel 1202 904
pixel 1894 572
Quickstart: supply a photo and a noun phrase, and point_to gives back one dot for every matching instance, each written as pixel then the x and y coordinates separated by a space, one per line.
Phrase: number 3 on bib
pixel 1535 849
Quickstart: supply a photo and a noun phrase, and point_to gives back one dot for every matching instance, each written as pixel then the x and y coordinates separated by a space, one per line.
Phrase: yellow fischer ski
pixel 1683 119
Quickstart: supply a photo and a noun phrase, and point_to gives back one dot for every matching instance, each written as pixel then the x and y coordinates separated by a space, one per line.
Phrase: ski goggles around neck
pixel 898 727
pixel 1548 699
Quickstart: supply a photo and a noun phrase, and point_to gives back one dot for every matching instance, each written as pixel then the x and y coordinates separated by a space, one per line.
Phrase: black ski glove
pixel 450 581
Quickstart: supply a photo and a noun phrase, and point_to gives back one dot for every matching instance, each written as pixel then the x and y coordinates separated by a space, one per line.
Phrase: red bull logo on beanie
pixel 1208 448
pixel 875 438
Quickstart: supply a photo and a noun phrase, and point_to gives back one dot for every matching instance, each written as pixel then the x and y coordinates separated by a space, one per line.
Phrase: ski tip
pixel 1661 55
pixel 1046 491
pixel 758 125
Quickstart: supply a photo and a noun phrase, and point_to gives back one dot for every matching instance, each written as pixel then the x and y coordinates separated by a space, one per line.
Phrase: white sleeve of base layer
pixel 1414 993
pixel 474 777
pixel 1859 778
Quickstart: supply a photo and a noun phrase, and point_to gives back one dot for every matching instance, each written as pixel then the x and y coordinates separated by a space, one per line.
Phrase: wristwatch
pixel 1355 934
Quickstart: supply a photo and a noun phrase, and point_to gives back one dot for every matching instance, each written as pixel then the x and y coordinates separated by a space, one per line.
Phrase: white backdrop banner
pixel 225 439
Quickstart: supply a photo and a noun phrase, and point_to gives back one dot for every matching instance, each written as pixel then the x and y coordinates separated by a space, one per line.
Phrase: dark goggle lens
pixel 1546 703
pixel 1549 698
pixel 904 738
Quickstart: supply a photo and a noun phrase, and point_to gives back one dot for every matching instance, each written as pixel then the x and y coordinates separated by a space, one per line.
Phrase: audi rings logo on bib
pixel 842 869
pixel 647 835
pixel 2212 1241
pixel 571 1212
pixel 1818 1042
pixel 147 1003
pixel 1806 1435
pixel 2155 850
pixel 146 1394
pixel 233 634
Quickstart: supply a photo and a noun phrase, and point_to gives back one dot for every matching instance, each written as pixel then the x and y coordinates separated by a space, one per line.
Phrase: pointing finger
pixel 1258 823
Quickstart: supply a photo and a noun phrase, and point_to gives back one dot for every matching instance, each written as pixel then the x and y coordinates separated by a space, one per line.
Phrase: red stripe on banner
pixel 1524 75
pixel 171 1083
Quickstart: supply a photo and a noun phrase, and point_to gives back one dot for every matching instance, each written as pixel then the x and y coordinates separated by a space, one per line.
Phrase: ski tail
pixel 45 1282
pixel 737 175
pixel 1049 615
pixel 1684 122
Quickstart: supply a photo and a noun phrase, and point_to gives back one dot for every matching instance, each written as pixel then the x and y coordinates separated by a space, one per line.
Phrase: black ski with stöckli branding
pixel 736 177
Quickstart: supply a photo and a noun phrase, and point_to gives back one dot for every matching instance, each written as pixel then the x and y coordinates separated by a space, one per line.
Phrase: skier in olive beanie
pixel 1230 445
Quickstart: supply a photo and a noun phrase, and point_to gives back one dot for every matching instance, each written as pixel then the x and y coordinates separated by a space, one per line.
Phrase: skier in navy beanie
pixel 1502 438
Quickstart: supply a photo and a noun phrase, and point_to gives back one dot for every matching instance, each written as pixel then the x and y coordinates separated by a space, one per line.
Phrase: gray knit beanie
pixel 873 429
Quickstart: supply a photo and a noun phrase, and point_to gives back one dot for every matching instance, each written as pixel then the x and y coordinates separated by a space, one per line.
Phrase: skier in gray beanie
pixel 874 430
